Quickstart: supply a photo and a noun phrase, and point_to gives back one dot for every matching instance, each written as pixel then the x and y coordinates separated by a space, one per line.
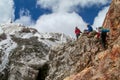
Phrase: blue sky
pixel 36 11
pixel 55 15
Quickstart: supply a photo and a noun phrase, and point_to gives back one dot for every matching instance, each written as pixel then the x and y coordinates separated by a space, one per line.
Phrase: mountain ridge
pixel 83 59
pixel 20 45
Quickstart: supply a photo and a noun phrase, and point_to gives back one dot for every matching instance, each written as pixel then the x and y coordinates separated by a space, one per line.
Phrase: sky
pixel 55 15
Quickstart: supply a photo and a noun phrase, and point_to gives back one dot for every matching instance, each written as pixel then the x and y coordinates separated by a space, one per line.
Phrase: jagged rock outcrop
pixel 107 62
pixel 107 67
pixel 112 20
pixel 24 52
pixel 73 57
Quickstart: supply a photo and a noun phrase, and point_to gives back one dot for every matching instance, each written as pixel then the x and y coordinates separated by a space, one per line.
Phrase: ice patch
pixel 6 46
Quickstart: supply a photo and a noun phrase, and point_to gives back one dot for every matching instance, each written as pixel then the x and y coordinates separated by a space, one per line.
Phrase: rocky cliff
pixel 112 20
pixel 105 64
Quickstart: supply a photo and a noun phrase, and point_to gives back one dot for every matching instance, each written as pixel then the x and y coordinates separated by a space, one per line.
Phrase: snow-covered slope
pixel 11 28
pixel 6 46
pixel 53 39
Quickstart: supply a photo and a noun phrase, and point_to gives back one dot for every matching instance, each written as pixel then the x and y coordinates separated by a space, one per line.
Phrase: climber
pixel 90 29
pixel 98 33
pixel 77 32
pixel 103 35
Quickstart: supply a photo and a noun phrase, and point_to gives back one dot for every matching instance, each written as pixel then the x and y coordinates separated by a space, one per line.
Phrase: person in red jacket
pixel 77 32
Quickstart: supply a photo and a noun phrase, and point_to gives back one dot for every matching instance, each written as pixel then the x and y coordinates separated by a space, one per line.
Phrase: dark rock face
pixel 3 37
pixel 4 74
pixel 43 72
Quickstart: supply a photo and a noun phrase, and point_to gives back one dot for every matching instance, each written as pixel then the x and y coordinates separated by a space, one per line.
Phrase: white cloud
pixel 98 21
pixel 60 22
pixel 25 18
pixel 6 10
pixel 69 5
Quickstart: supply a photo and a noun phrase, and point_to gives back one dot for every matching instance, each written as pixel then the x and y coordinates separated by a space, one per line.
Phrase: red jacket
pixel 77 31
pixel 98 34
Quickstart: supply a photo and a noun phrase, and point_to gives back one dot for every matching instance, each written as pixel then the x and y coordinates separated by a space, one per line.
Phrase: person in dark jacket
pixel 103 36
pixel 90 29
pixel 77 32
